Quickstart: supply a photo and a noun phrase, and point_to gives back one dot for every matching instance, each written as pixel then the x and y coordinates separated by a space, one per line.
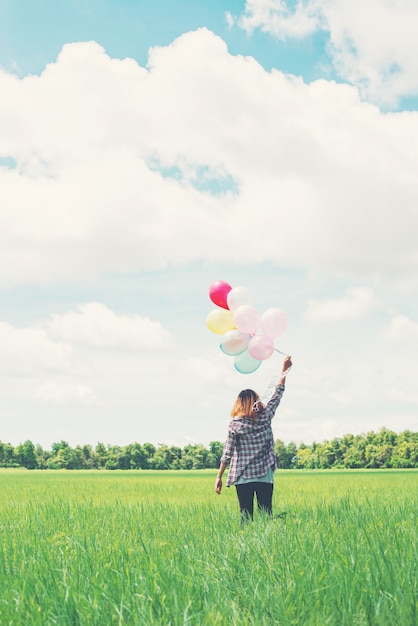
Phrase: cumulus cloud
pixel 24 351
pixel 356 303
pixel 402 329
pixel 107 167
pixel 94 325
pixel 66 394
pixel 53 345
pixel 275 17
pixel 201 155
pixel 372 44
pixel 75 358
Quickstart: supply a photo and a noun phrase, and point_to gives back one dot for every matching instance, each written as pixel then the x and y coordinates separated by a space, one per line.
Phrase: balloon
pixel 261 347
pixel 238 296
pixel 218 292
pixel 220 321
pixel 246 318
pixel 273 322
pixel 234 342
pixel 244 363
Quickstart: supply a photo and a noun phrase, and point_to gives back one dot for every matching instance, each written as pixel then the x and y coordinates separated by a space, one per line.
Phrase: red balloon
pixel 218 293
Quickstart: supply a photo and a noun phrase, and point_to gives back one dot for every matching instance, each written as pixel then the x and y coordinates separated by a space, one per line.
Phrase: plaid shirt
pixel 249 448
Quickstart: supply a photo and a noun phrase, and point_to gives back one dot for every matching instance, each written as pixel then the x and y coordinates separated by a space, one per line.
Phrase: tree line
pixel 384 449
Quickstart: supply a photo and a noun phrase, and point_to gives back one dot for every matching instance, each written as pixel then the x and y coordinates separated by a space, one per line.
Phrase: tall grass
pixel 162 549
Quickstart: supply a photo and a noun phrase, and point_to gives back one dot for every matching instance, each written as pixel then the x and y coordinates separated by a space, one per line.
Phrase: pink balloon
pixel 273 322
pixel 218 293
pixel 261 347
pixel 246 319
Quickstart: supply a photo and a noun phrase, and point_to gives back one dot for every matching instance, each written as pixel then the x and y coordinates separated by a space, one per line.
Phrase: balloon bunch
pixel 246 335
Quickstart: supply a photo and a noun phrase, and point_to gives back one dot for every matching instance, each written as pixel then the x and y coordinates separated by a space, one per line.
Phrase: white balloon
pixel 238 296
pixel 234 342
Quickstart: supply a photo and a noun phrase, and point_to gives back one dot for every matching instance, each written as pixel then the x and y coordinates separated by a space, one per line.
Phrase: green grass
pixel 161 548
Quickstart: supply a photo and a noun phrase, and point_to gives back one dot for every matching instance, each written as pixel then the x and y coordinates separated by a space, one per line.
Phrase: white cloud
pixel 402 329
pixel 372 43
pixel 204 371
pixel 94 325
pixel 276 18
pixel 356 303
pixel 340 382
pixel 316 174
pixel 83 358
pixel 57 345
pixel 66 394
pixel 111 160
pixel 24 351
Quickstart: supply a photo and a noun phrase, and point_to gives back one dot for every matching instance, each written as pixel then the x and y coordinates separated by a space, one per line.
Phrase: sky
pixel 148 150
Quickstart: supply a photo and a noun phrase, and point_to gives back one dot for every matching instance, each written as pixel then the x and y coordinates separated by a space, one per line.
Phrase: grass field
pixel 161 548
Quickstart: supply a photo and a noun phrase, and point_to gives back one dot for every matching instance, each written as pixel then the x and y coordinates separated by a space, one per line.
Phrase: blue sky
pixel 33 32
pixel 150 149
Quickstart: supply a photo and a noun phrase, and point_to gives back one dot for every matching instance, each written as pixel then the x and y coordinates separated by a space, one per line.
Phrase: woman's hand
pixel 287 363
pixel 218 485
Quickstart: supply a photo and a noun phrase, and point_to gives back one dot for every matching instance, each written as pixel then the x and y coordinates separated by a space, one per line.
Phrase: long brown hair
pixel 247 404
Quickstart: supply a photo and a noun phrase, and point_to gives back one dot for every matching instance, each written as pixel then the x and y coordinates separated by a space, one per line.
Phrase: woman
pixel 249 449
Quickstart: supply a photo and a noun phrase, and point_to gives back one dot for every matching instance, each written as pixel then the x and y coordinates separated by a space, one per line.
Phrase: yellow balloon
pixel 219 321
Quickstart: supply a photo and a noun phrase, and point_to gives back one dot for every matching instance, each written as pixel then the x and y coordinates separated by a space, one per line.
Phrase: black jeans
pixel 245 493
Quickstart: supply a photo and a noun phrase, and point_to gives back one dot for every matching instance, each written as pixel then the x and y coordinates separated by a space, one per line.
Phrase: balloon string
pixel 280 352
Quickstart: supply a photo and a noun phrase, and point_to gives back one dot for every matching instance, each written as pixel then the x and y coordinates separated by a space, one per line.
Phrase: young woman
pixel 249 448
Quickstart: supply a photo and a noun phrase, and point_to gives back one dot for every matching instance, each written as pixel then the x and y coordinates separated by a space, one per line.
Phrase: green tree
pixel 60 460
pixel 125 457
pixel 78 459
pixel 354 454
pixel 162 457
pixel 215 453
pixel 113 455
pixel 280 451
pixel 7 455
pixel 25 455
pixel 61 457
pixel 201 457
pixel 291 455
pixel 166 457
pixel 101 454
pixel 401 457
pixel 325 455
pixel 305 459
pixel 176 453
pixel 195 456
pixel 139 457
pixel 149 451
pixel 42 457
pixel 338 452
pixel 285 455
pixel 89 457
pixel 386 437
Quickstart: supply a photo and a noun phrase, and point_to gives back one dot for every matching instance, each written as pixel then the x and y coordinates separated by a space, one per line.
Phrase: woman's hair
pixel 247 404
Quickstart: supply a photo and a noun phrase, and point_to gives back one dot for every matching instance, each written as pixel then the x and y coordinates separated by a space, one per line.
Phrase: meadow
pixel 103 548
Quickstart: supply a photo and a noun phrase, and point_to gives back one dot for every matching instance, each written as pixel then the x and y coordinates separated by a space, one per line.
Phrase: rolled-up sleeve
pixel 228 448
pixel 271 406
